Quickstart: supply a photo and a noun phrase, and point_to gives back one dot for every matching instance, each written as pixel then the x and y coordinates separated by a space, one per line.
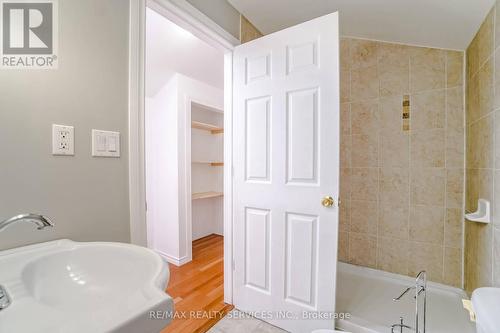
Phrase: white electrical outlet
pixel 63 140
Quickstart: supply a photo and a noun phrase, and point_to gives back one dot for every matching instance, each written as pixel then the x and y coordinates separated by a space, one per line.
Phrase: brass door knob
pixel 327 201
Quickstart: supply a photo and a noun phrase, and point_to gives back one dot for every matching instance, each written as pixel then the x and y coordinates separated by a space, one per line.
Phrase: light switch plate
pixel 105 143
pixel 63 140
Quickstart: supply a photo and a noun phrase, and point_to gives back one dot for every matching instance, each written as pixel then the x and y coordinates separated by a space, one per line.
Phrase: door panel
pixel 258 116
pixel 286 159
pixel 257 249
pixel 302 136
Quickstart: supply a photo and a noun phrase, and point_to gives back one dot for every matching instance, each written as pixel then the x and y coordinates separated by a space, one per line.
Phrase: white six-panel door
pixel 286 160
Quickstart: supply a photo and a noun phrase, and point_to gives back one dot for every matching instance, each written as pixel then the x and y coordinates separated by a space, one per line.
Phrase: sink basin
pixel 486 304
pixel 66 286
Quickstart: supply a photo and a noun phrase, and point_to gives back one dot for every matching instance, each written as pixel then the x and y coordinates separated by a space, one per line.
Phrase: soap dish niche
pixel 483 213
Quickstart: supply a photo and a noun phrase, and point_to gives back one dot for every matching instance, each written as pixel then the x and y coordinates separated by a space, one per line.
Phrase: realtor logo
pixel 29 34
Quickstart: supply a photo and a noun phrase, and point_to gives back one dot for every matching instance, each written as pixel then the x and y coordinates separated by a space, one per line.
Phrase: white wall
pixel 162 170
pixel 86 197
pixel 164 212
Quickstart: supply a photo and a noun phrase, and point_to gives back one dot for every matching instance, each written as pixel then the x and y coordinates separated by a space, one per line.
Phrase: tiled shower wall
pixel 482 242
pixel 402 191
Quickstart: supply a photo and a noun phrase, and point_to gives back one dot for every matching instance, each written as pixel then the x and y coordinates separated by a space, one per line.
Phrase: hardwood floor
pixel 198 288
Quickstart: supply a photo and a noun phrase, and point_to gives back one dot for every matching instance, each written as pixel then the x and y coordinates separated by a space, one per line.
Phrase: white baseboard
pixel 174 260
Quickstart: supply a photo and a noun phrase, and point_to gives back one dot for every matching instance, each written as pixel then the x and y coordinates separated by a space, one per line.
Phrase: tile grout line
pixel 408 224
pixel 494 145
pixel 445 161
pixel 378 159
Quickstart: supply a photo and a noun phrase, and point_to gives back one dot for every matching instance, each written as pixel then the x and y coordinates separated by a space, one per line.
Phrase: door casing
pixel 189 18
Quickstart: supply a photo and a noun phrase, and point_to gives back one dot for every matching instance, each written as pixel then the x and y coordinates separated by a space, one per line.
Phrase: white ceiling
pixel 449 24
pixel 171 49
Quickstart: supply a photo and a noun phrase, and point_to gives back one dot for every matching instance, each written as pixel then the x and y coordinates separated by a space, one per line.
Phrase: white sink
pixel 66 286
pixel 486 304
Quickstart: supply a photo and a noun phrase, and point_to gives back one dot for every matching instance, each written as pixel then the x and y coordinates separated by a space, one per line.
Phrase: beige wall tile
pixel 453 267
pixel 496 257
pixel 345 183
pixel 428 186
pixel 345 151
pixel 497 26
pixel 455 109
pixel 390 260
pixel 485 184
pixel 484 37
pixel 455 149
pixel 454 68
pixel 471 271
pixel 391 113
pixel 428 110
pixel 364 184
pixel 454 188
pixel 479 185
pixel 496 198
pixel 364 216
pixel 427 224
pixel 344 215
pixel 393 221
pixel 376 154
pixel 344 246
pixel 363 249
pixel 472 57
pixel 344 52
pixel 364 150
pixel 480 143
pixel 485 89
pixel 364 83
pixel 485 254
pixel 478 255
pixel 394 150
pixel 394 69
pixel 428 148
pixel 426 257
pixel 497 139
pixel 365 117
pixel 345 119
pixel 471 189
pixel 394 184
pixel 427 69
pixel 345 86
pixel 472 111
pixel 453 227
pixel 363 53
pixel 496 102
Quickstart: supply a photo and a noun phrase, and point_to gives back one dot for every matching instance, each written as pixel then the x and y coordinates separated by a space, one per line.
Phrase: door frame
pixel 188 17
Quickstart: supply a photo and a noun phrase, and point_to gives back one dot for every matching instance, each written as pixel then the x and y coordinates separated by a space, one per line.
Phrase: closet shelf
pixel 210 163
pixel 205 195
pixel 207 127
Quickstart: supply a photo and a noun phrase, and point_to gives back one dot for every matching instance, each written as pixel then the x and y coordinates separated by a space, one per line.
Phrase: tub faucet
pixel 420 304
pixel 40 221
pixel 400 326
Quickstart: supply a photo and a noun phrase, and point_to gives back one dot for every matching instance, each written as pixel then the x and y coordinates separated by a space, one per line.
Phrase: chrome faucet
pixel 420 288
pixel 40 221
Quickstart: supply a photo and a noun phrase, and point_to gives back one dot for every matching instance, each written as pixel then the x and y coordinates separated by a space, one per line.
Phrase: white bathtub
pixel 367 295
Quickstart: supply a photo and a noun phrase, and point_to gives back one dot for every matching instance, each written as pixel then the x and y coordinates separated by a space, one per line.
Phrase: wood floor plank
pixel 198 288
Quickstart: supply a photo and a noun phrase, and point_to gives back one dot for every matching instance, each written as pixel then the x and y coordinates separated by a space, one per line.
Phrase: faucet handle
pixel 402 294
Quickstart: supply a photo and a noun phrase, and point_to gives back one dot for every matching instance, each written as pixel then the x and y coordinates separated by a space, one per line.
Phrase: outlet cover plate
pixel 63 140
